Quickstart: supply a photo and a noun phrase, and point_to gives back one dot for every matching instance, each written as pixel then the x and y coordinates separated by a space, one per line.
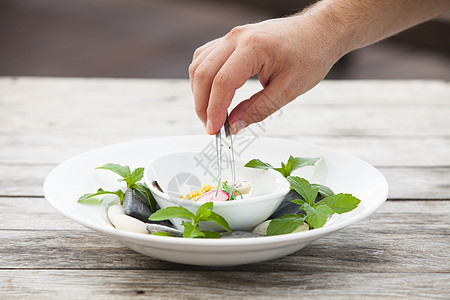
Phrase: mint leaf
pixel 281 170
pixel 323 190
pixel 297 162
pixel 304 188
pixel 298 201
pixel 292 164
pixel 211 234
pixel 90 198
pixel 123 171
pixel 285 224
pixel 170 213
pixel 258 164
pixel 134 177
pixel 162 233
pixel 142 187
pixel 191 231
pixel 341 203
pixel 203 213
pixel 219 220
pixel 317 215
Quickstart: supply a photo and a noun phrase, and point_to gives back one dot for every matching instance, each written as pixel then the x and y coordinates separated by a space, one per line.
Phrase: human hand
pixel 290 55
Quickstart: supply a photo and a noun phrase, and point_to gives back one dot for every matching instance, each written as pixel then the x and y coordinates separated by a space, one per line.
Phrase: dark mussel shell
pixel 135 204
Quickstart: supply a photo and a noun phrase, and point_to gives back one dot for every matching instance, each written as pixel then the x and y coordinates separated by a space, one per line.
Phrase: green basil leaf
pixel 298 201
pixel 120 194
pixel 258 164
pixel 170 213
pixel 341 203
pixel 87 198
pixel 323 190
pixel 191 231
pixel 162 233
pixel 297 162
pixel 202 215
pixel 123 171
pixel 304 188
pixel 211 234
pixel 316 216
pixel 219 220
pixel 136 175
pixel 285 224
pixel 282 171
pixel 324 208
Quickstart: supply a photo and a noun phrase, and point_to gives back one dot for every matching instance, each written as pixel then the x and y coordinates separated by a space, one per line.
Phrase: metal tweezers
pixel 229 142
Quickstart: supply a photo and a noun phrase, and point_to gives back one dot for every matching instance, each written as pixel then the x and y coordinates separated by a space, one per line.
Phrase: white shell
pixel 114 211
pixel 128 223
pixel 262 228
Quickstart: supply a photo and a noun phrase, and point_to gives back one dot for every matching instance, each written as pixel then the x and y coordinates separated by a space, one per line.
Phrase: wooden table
pixel 401 251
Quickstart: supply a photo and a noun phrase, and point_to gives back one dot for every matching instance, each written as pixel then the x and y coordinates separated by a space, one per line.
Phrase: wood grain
pixel 393 239
pixel 55 106
pixel 209 284
pixel 53 148
pixel 401 251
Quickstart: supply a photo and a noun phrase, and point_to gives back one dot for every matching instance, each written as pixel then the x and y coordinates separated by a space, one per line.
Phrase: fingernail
pixel 238 126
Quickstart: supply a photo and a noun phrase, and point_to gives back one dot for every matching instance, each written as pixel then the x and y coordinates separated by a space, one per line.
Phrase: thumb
pixel 258 107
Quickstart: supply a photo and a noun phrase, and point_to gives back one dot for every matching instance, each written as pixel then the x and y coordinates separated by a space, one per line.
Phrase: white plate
pixel 341 172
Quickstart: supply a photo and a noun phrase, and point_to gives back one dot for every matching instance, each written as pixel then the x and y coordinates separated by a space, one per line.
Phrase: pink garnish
pixel 210 196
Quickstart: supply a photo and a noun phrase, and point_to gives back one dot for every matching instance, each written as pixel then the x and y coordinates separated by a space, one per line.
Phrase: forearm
pixel 358 23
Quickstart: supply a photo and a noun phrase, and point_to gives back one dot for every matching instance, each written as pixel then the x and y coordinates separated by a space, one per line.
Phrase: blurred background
pixel 156 39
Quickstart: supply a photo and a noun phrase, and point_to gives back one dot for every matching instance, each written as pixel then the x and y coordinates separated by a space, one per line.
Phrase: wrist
pixel 326 32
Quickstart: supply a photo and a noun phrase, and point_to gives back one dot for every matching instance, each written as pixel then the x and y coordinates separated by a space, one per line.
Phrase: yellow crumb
pixel 194 195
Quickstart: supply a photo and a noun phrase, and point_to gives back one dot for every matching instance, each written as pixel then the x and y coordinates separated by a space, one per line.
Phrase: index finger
pixel 238 68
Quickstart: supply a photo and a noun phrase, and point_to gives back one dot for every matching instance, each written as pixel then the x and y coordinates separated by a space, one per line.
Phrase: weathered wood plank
pixel 401 251
pixel 53 148
pixel 97 107
pixel 209 284
pixel 404 182
pixel 394 239
pixel 326 92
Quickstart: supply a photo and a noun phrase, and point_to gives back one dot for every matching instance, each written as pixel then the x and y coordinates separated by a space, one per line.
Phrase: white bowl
pixel 178 173
pixel 341 172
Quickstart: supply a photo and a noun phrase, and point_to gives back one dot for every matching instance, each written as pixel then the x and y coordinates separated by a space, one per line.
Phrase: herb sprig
pixel 191 222
pixel 131 178
pixel 286 170
pixel 316 212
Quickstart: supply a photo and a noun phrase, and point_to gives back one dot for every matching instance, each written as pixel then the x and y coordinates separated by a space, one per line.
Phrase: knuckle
pixel 200 74
pixel 220 80
pixel 197 52
pixel 191 69
pixel 236 31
